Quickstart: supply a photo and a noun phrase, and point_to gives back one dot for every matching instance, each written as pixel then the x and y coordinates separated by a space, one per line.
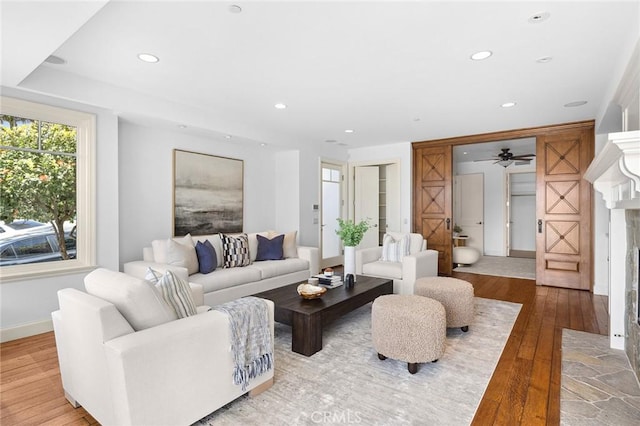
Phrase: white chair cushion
pixel 383 269
pixel 136 299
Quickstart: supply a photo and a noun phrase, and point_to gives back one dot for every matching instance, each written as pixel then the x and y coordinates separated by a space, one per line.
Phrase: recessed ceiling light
pixel 227 136
pixel 280 106
pixel 182 126
pixel 331 141
pixel 234 8
pixel 263 144
pixel 465 153
pixel 349 131
pixel 55 60
pixel 478 56
pixel 539 17
pixel 148 57
pixel 416 119
pixel 575 104
pixel 508 104
pixel 544 59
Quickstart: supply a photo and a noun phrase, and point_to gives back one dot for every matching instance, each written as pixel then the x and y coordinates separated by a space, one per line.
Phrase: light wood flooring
pixel 524 389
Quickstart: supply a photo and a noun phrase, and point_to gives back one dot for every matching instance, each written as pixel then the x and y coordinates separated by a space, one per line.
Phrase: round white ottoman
pixel 408 328
pixel 465 255
pixel 455 295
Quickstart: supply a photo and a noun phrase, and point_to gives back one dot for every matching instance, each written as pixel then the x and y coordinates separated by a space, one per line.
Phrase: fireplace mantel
pixel 615 172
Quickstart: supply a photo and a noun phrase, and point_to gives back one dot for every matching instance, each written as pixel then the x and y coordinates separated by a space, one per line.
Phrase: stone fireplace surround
pixel 615 173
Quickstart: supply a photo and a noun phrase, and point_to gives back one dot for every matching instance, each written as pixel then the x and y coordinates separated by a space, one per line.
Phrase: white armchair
pixel 125 373
pixel 419 263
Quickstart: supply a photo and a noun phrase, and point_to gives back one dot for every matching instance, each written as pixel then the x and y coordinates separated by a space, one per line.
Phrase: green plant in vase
pixel 351 234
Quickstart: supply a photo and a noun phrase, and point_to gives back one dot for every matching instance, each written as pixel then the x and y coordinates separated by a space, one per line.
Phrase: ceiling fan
pixel 506 158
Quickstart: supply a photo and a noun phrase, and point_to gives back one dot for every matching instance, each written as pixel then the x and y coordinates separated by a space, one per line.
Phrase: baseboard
pixel 26 330
pixel 525 254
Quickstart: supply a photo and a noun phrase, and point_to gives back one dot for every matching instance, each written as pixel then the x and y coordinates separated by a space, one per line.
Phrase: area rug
pixel 514 267
pixel 346 382
pixel 598 385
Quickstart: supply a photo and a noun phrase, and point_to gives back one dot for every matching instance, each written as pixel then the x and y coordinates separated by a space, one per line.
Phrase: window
pixel 52 150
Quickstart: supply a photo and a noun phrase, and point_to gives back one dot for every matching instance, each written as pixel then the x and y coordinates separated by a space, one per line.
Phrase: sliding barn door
pixel 563 205
pixel 432 201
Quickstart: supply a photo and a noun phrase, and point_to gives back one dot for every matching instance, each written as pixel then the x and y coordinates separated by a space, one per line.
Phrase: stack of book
pixel 329 281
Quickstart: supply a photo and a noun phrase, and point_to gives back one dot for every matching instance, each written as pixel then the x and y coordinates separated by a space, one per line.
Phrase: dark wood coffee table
pixel 308 317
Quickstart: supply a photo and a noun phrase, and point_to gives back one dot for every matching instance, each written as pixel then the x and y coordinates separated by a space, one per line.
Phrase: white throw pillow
pixel 183 254
pixel 394 250
pixel 137 300
pixel 177 294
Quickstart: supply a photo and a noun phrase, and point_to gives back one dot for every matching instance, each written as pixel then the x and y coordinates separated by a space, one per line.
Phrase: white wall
pixel 287 184
pixel 31 301
pixel 388 153
pixel 146 183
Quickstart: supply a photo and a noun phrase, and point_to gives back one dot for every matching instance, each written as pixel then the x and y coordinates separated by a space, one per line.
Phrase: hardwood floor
pixel 524 389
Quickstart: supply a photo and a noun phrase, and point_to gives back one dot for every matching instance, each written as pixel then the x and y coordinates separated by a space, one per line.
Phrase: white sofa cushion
pixel 223 278
pixel 383 269
pixel 274 268
pixel 183 255
pixel 136 299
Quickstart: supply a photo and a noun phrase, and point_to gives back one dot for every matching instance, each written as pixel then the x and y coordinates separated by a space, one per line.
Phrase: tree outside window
pixel 38 174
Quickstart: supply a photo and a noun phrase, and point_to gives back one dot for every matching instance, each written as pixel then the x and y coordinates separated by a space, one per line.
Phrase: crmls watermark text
pixel 332 417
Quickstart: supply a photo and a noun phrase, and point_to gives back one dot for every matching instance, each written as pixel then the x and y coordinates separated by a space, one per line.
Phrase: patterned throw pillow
pixel 394 250
pixel 235 250
pixel 176 292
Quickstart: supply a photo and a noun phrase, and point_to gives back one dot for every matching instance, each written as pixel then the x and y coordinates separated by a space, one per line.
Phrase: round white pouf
pixel 456 295
pixel 408 328
pixel 465 255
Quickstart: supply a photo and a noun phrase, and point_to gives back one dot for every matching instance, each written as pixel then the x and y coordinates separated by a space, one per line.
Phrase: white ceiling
pixel 392 71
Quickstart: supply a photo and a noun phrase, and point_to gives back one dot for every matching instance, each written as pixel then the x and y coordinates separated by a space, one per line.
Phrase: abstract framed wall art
pixel 207 194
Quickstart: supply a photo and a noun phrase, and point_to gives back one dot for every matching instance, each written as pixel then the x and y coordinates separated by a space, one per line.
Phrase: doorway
pixel 375 196
pixel 521 212
pixel 331 208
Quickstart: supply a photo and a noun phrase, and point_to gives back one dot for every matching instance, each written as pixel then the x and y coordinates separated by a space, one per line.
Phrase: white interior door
pixel 330 210
pixel 366 202
pixel 469 208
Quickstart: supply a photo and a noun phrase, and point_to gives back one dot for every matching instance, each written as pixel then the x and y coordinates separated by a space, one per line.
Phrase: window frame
pixel 85 124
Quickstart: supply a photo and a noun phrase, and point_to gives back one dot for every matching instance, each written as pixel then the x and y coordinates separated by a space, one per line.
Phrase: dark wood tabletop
pixel 308 317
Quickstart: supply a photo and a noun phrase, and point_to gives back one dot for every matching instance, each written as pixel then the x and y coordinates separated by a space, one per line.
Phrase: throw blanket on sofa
pixel 250 338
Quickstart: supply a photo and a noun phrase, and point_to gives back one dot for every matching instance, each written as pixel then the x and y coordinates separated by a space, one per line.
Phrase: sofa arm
pixel 138 269
pixel 367 255
pixel 310 254
pixel 421 264
pixel 176 372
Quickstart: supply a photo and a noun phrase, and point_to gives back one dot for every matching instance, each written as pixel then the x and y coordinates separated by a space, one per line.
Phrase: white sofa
pixel 223 285
pixel 420 262
pixel 173 373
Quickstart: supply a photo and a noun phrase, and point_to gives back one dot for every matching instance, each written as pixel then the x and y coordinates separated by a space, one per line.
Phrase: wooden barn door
pixel 563 204
pixel 432 201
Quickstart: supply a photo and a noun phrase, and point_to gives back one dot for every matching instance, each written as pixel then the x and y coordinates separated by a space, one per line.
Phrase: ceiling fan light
pixel 505 163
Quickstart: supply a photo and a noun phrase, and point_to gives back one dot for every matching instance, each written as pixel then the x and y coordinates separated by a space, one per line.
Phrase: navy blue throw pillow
pixel 270 249
pixel 207 260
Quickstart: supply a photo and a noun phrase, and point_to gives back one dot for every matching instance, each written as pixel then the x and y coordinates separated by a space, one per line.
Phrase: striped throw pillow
pixel 394 250
pixel 235 250
pixel 177 293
